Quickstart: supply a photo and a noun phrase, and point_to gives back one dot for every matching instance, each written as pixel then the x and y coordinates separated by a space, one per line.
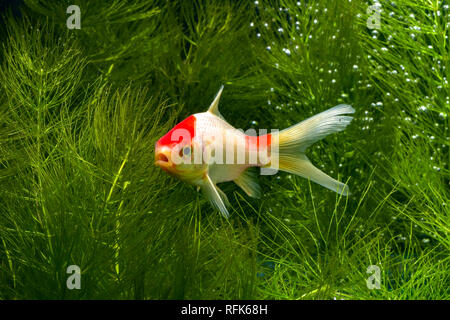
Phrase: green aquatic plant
pixel 80 111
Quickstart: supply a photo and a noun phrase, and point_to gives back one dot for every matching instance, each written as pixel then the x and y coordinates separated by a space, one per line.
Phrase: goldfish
pixel 205 150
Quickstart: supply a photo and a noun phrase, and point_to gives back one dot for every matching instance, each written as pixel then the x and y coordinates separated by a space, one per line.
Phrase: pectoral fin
pixel 224 197
pixel 213 194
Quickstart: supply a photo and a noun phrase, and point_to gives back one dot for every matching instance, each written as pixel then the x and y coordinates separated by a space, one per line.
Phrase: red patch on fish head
pixel 173 152
pixel 182 132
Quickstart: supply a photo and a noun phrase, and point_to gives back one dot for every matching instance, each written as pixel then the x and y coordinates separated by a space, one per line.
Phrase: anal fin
pixel 248 182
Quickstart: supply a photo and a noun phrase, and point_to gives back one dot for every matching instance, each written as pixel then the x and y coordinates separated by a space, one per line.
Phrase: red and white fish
pixel 205 150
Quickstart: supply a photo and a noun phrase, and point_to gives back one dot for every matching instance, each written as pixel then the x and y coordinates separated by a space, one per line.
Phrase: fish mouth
pixel 162 159
pixel 161 164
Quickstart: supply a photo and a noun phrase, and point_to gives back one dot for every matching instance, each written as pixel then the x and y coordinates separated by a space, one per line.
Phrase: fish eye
pixel 187 150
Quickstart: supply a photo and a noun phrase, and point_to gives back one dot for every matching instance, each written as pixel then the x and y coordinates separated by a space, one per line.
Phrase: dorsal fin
pixel 214 107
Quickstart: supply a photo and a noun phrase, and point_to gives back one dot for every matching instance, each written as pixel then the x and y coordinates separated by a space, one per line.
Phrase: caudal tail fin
pixel 293 142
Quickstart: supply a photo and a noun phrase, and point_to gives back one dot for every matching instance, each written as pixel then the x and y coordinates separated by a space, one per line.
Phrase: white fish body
pixel 207 141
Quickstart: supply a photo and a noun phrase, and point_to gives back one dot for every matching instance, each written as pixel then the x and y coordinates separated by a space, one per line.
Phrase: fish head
pixel 174 152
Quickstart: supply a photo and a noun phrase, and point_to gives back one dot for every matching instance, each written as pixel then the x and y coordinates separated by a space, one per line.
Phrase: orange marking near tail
pixel 258 142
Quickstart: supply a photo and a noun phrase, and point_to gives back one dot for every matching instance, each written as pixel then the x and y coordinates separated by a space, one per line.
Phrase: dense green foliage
pixel 80 111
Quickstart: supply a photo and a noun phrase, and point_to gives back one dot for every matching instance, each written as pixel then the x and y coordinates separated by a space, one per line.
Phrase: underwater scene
pixel 224 150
